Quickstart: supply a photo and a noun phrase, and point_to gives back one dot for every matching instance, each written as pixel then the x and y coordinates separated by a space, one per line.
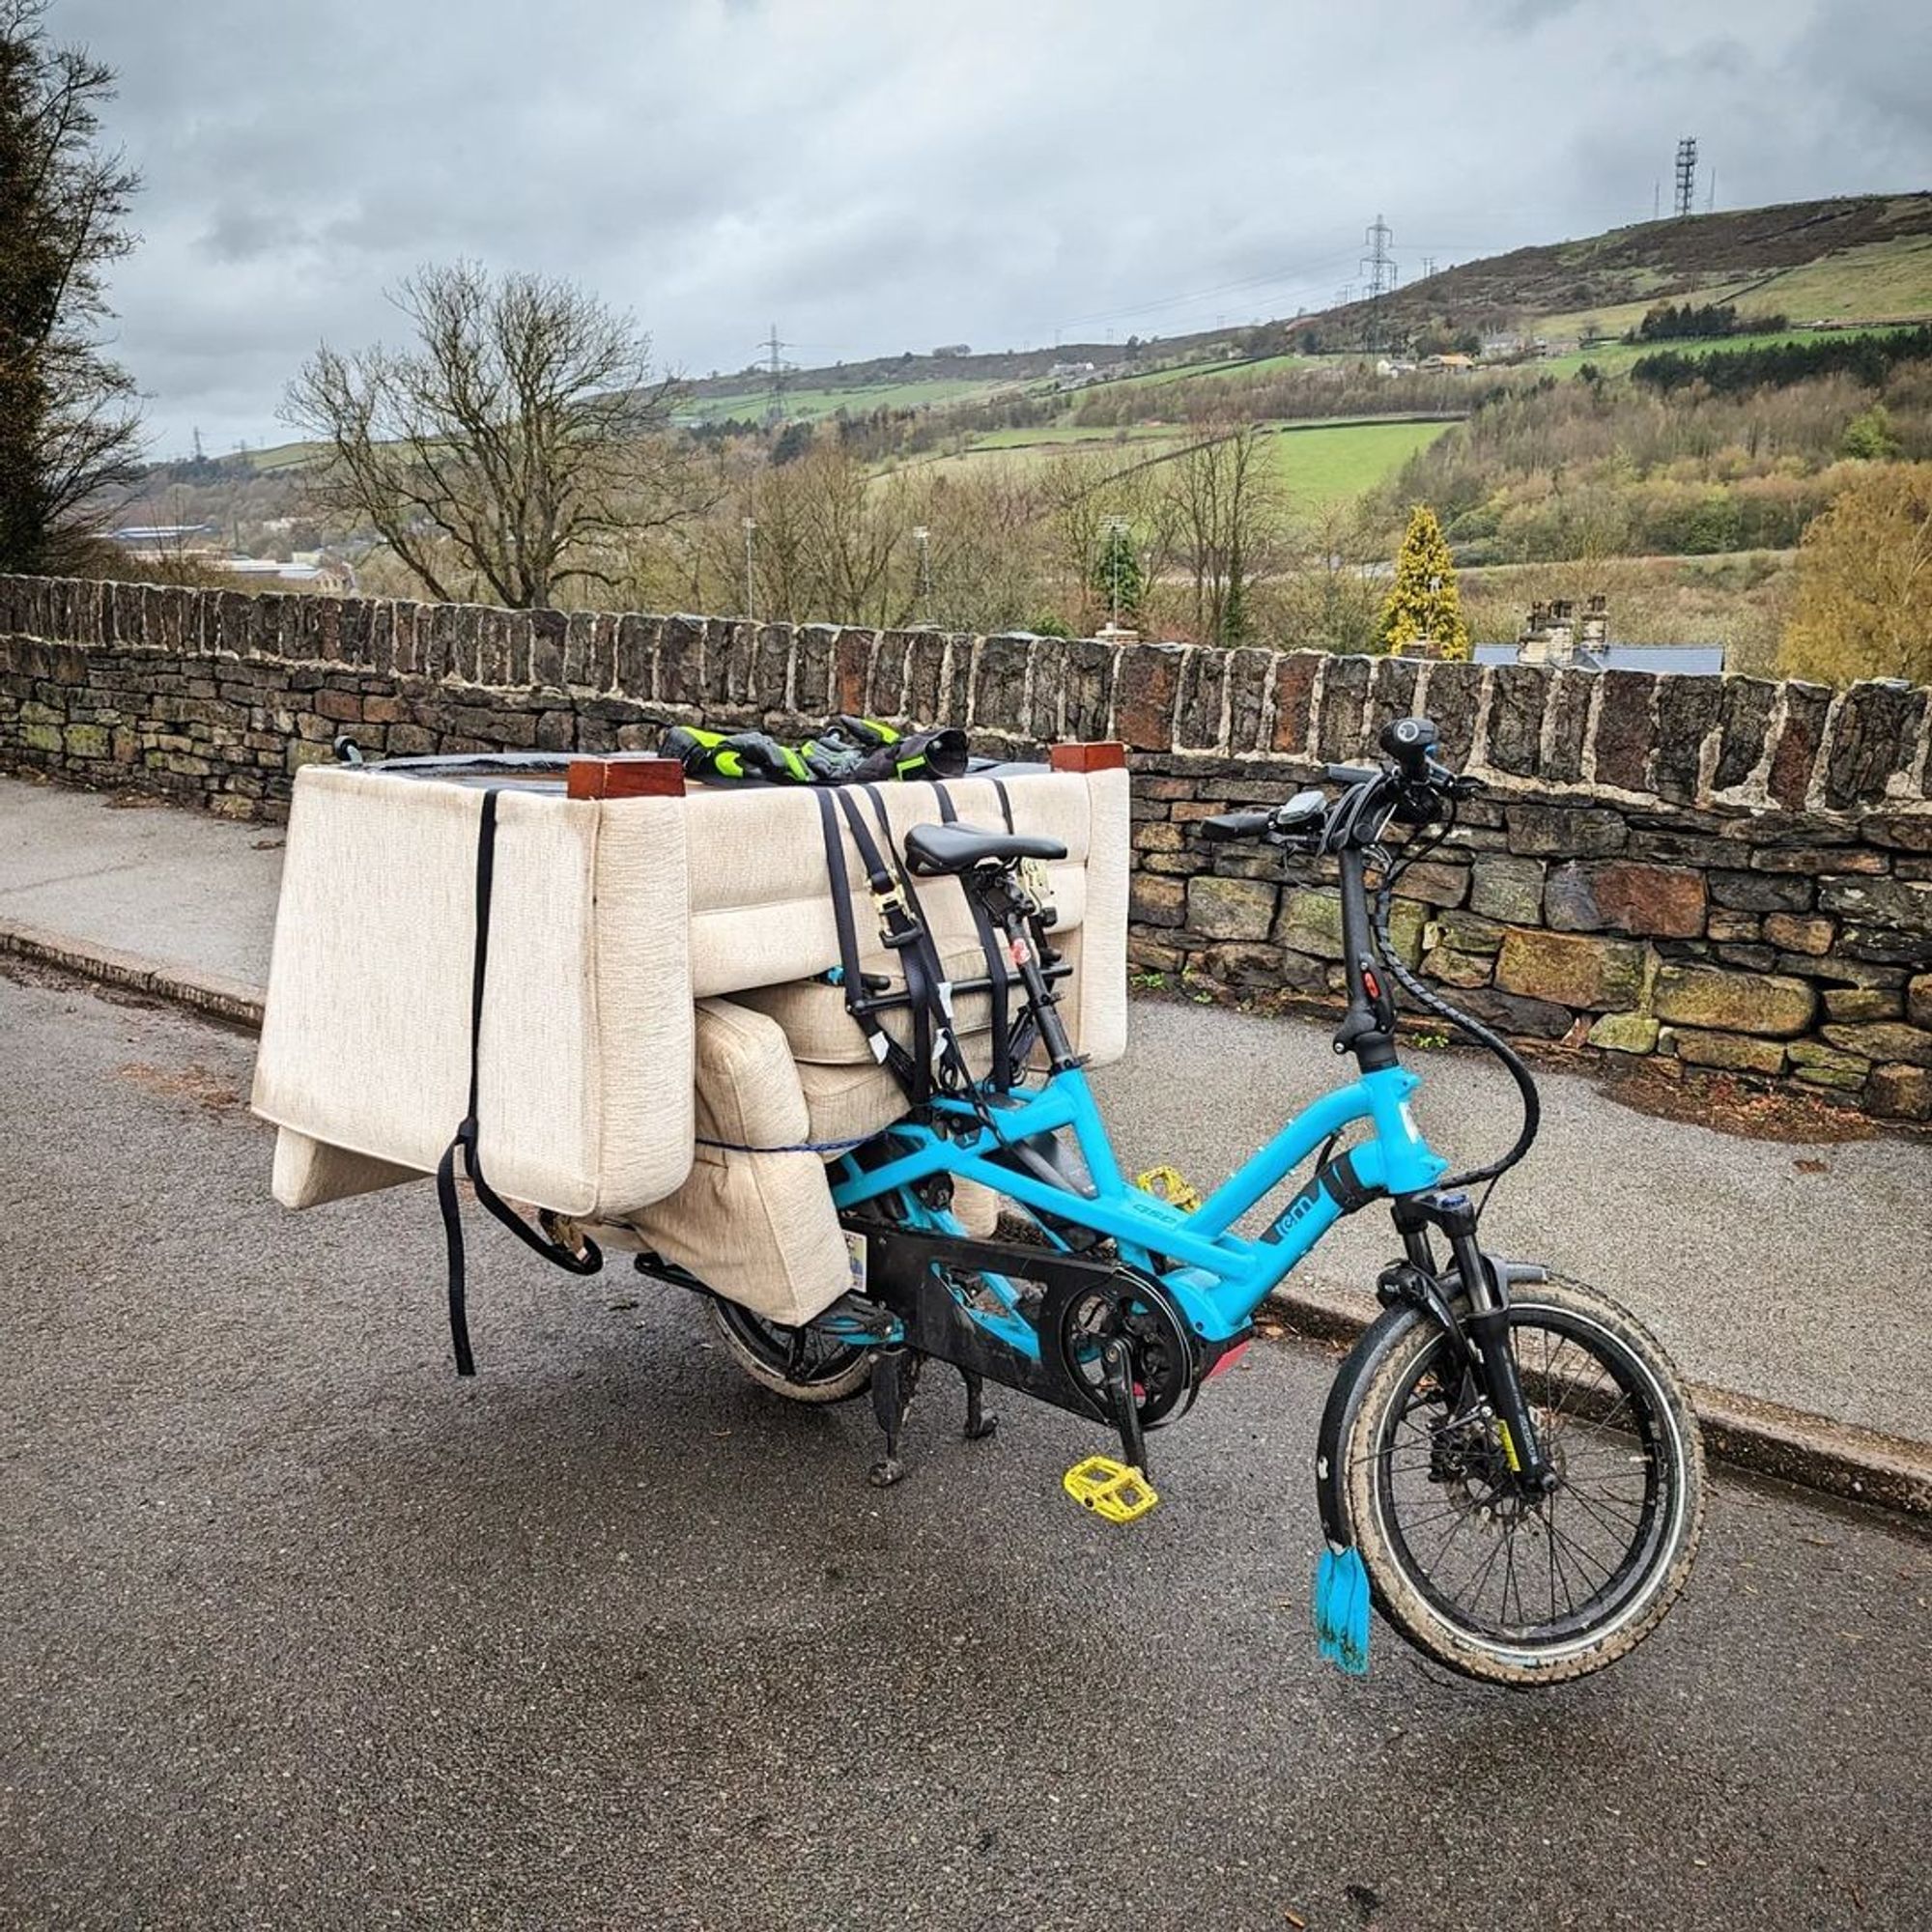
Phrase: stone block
pixel 1864 1003
pixel 1737 927
pixel 1625 1032
pixel 1760 892
pixel 1515 717
pixel 1811 861
pixel 1794 757
pixel 1146 679
pixel 1733 1052
pixel 1152 900
pixel 1687 710
pixel 1884 1039
pixel 1454 697
pixel 1918 1000
pixel 1510 890
pixel 1457 969
pixel 1708 997
pixel 1873 736
pixel 1595 975
pixel 1885 944
pixel 1536 1019
pixel 1465 931
pixel 1826 1067
pixel 1439 884
pixel 1564 831
pixel 1624 731
pixel 1240 966
pixel 1798 932
pixel 1900 1092
pixel 1204 686
pixel 1294 691
pixel 1311 922
pixel 1230 908
pixel 88 741
pixel 1626 896
pixel 1566 721
pixel 1903 903
pixel 1747 704
pixel 1910 832
pixel 1341 729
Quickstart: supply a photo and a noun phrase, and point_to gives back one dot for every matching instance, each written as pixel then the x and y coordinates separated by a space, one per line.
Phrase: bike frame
pixel 1216 1276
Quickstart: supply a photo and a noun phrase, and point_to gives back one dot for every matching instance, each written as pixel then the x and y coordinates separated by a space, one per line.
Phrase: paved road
pixel 179 888
pixel 295 1629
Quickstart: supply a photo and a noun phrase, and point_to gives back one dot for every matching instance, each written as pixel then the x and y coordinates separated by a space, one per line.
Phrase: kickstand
pixel 1117 1371
pixel 979 1424
pixel 895 1379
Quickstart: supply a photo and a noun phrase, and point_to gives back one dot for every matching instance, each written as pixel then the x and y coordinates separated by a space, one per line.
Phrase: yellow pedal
pixel 1169 1184
pixel 1110 1488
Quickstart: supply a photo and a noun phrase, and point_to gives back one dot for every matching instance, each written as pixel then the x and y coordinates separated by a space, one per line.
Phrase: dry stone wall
pixel 1728 875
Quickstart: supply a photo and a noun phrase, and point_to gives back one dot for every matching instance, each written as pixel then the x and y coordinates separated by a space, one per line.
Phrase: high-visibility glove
pixel 869 733
pixel 712 755
pixel 939 753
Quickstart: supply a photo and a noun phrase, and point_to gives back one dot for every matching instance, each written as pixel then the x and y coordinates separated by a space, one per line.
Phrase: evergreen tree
pixel 1117 578
pixel 68 427
pixel 1423 606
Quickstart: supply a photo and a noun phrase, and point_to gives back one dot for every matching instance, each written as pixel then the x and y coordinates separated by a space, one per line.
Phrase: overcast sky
pixel 878 175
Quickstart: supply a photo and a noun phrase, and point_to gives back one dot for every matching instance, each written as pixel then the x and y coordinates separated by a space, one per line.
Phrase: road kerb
pixel 1838 1457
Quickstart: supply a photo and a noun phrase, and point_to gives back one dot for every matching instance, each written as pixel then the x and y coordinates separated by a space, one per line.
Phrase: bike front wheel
pixel 1495 1584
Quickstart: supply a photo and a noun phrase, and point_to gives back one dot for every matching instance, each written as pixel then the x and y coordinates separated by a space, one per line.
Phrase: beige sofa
pixel 659 1057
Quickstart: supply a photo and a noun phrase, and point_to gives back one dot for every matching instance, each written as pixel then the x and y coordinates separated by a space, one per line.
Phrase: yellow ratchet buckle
pixel 1110 1488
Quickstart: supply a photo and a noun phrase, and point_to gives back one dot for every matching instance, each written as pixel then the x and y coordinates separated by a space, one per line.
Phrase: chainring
pixel 1166 1360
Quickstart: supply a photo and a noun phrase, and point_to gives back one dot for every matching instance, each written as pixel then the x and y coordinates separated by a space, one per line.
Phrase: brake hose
pixel 1492 1043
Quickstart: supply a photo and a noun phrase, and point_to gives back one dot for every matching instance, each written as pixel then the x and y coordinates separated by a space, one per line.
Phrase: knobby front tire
pixel 1497 1588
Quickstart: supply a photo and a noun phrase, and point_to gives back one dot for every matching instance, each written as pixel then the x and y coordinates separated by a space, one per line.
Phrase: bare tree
pixel 1226 507
pixel 69 429
pixel 520 442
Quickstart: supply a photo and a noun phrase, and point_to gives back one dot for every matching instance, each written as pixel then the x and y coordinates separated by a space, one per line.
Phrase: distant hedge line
pixel 1870 359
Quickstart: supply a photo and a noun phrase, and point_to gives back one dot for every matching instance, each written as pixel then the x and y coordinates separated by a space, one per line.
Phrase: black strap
pixel 591 1259
pixel 1006 803
pixel 904 931
pixel 993 952
pixel 885 1050
pixel 937 1000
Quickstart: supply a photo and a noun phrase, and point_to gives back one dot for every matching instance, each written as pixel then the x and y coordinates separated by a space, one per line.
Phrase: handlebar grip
pixel 1232 825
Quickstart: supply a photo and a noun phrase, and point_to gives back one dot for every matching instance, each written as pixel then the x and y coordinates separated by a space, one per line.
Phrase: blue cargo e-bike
pixel 1507 1465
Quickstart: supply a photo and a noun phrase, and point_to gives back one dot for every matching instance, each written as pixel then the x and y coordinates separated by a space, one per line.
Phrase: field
pixel 1325 463
pixel 1318 463
pixel 811 405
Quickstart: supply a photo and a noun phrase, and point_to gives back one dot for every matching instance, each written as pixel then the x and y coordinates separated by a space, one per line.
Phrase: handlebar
pixel 1410 787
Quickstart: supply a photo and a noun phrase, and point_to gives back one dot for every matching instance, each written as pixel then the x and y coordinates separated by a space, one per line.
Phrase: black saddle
pixel 932 850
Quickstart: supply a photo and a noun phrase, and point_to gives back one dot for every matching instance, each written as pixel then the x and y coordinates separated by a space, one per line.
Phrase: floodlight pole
pixel 750 525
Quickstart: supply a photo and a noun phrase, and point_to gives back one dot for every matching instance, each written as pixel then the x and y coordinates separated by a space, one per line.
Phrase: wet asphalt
pixel 296 1630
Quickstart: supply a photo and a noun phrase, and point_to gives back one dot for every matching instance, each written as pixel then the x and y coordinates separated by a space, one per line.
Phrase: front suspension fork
pixel 1483 1332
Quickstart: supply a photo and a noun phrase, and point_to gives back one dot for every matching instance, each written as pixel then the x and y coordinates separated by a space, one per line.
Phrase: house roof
pixel 1687 660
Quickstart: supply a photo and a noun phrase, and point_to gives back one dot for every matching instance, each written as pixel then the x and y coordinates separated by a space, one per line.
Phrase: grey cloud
pixel 874 176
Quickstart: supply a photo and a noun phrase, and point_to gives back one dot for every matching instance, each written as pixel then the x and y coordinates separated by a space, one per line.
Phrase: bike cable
pixel 1484 1036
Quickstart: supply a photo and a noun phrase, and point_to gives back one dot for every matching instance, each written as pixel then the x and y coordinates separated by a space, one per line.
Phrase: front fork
pixel 1483 1333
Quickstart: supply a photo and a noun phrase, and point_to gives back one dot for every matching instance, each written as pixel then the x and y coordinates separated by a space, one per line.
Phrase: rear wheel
pixel 796 1363
pixel 1495 1584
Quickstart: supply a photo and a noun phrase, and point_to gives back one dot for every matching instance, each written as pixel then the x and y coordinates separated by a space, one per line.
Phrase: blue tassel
pixel 1341 1607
